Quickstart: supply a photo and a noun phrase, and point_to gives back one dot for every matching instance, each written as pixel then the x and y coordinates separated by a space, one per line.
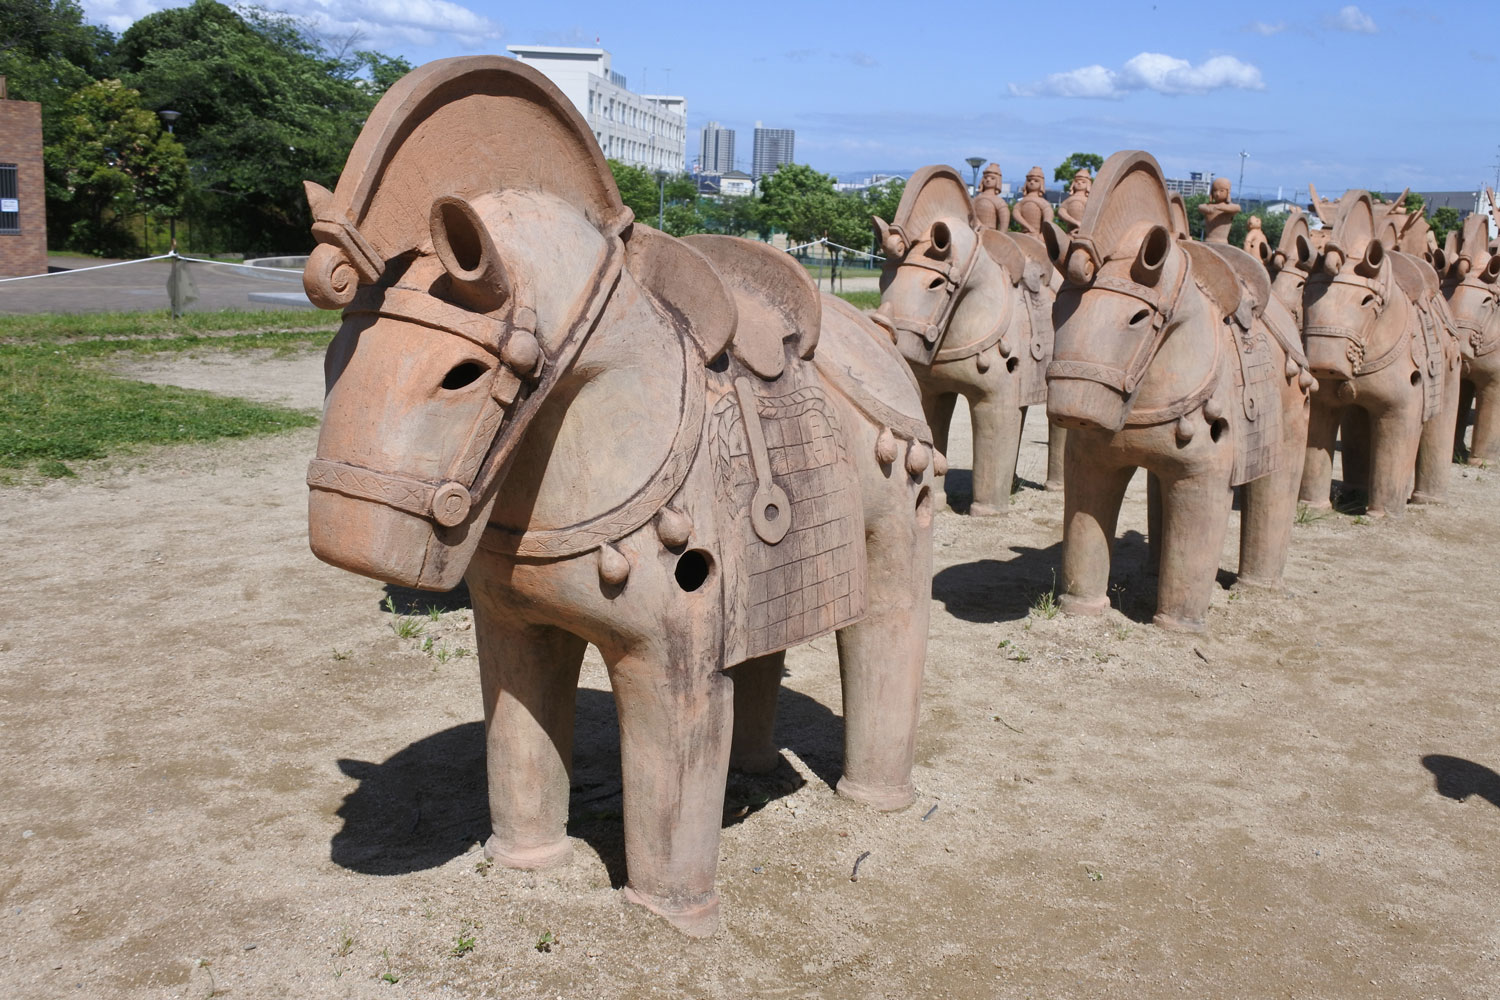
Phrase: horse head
pixel 1123 275
pixel 942 277
pixel 1470 283
pixel 1348 292
pixel 472 242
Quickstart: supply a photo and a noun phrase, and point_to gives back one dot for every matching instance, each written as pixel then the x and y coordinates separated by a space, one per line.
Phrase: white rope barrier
pixel 148 260
pixel 825 242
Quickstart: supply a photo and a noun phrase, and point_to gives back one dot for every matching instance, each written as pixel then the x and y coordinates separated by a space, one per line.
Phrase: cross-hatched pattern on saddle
pixel 1032 390
pixel 1258 436
pixel 812 581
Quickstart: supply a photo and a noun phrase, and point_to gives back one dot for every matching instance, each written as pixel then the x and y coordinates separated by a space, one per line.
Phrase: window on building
pixel 10 209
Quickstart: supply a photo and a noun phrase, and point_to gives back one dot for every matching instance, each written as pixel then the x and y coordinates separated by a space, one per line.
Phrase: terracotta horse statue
pixel 970 308
pixel 1380 341
pixel 1174 356
pixel 675 450
pixel 1471 282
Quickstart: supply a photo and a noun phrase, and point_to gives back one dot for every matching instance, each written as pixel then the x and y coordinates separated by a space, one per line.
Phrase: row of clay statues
pixel 1032 209
pixel 679 451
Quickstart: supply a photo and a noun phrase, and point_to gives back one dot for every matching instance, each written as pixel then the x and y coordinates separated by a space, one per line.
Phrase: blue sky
pixel 1380 95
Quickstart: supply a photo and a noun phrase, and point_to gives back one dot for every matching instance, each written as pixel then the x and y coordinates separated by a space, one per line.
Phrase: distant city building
pixel 736 184
pixel 641 130
pixel 1278 208
pixel 773 147
pixel 1197 183
pixel 23 209
pixel 874 180
pixel 716 149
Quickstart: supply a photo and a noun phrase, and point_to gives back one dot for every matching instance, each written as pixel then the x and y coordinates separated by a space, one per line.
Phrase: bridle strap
pixel 1126 379
pixel 955 279
pixel 492 438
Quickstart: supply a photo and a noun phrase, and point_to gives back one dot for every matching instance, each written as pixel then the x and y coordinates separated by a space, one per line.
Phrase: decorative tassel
pixel 614 568
pixel 885 447
pixel 673 527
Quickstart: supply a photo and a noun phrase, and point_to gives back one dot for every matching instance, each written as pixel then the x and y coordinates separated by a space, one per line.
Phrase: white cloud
pixel 1351 18
pixel 1148 71
pixel 1264 29
pixel 376 23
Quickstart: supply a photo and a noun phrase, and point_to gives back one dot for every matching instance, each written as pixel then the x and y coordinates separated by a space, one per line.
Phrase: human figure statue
pixel 989 207
pixel 1071 210
pixel 1218 212
pixel 1034 209
pixel 1255 239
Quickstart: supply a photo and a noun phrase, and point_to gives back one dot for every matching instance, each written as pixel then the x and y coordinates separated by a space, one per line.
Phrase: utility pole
pixel 170 117
pixel 1238 191
pixel 977 161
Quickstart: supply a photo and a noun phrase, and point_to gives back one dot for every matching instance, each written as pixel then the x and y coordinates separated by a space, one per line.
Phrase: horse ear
pixel 685 283
pixel 1003 251
pixel 476 274
pixel 1056 242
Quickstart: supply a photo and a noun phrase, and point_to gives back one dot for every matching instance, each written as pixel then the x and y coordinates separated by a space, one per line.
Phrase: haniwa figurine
pixel 989 208
pixel 1218 212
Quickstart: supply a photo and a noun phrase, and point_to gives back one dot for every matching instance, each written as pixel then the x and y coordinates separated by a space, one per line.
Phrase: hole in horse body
pixel 693 569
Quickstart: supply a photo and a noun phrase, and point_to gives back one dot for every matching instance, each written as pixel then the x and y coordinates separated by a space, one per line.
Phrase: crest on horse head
pixel 933 193
pixel 455 130
pixel 1295 249
pixel 1356 225
pixel 1129 202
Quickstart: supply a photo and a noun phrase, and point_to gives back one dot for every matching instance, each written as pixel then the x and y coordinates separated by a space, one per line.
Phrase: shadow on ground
pixel 1458 779
pixel 428 803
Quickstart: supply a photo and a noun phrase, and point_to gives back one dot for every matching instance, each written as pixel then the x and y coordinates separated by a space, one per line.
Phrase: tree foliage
pixel 1076 162
pixel 110 159
pixel 1443 221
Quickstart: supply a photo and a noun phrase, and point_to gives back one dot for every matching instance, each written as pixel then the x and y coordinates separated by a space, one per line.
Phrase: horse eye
pixel 463 374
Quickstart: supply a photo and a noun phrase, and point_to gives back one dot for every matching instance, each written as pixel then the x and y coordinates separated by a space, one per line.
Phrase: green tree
pixel 263 107
pixel 800 201
pixel 1413 202
pixel 1443 221
pixel 1076 162
pixel 637 190
pixel 110 160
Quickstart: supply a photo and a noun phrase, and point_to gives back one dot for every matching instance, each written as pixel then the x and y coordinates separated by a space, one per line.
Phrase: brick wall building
pixel 23 206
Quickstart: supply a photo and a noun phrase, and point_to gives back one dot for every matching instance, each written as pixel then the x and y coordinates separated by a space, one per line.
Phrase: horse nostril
pixel 463 374
pixel 1139 317
pixel 935 283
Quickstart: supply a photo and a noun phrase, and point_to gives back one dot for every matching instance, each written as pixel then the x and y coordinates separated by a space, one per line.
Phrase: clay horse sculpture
pixel 1471 281
pixel 971 308
pixel 1174 356
pixel 672 449
pixel 1381 342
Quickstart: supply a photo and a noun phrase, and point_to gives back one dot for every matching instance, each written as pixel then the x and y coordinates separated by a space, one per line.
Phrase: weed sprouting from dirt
pixel 405 626
pixel 342 654
pixel 465 941
pixel 208 967
pixel 388 976
pixel 546 942
pixel 1045 605
pixel 345 943
pixel 434 613
pixel 1307 514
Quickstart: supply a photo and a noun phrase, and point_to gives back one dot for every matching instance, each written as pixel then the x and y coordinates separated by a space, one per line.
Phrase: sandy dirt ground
pixel 224 770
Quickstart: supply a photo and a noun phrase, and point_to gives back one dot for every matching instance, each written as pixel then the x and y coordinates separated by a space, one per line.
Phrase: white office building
pixel 642 130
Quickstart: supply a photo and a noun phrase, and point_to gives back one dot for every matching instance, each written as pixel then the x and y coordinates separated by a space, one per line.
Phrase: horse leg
pixel 757 683
pixel 1435 452
pixel 1153 522
pixel 1270 507
pixel 1057 438
pixel 1091 509
pixel 938 409
pixel 676 718
pixel 1195 515
pixel 529 680
pixel 1395 433
pixel 1485 444
pixel 881 659
pixel 1317 462
pixel 997 441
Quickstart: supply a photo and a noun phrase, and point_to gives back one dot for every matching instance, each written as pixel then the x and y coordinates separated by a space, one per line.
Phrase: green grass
pixel 861 300
pixel 52 328
pixel 57 407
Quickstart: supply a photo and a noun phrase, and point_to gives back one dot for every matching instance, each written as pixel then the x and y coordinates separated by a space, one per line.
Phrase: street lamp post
pixel 975 162
pixel 661 198
pixel 170 117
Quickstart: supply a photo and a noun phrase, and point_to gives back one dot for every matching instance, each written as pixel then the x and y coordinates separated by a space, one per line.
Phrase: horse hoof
pixel 1250 585
pixel 1054 486
pixel 756 761
pixel 1085 607
pixel 882 798
pixel 699 920
pixel 984 510
pixel 552 855
pixel 1427 498
pixel 1172 623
